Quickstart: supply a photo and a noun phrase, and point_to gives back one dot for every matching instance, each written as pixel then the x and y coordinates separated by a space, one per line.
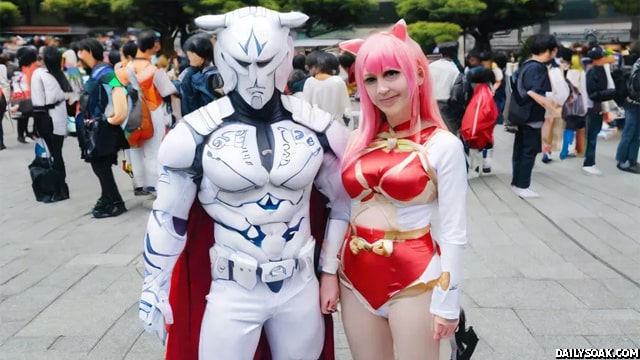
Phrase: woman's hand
pixel 443 328
pixel 329 293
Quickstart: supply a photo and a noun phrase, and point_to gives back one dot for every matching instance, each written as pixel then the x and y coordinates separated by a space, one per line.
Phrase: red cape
pixel 190 284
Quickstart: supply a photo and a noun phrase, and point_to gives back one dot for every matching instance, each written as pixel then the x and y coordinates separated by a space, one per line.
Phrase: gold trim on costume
pixel 384 247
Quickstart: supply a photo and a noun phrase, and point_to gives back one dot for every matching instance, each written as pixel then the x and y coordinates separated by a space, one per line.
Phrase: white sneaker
pixel 592 170
pixel 525 193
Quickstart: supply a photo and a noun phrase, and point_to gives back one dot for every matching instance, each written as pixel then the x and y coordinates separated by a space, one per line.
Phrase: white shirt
pixel 443 75
pixel 329 94
pixel 45 90
pixel 4 81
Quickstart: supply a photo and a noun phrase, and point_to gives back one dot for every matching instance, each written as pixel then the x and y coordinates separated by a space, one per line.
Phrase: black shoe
pixel 22 140
pixel 2 147
pixel 632 169
pixel 111 210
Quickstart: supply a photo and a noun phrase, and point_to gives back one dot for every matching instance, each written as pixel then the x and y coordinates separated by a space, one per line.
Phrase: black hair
pixel 27 55
pixel 53 61
pixel 201 45
pixel 540 43
pixel 327 63
pixel 448 49
pixel 501 59
pixel 93 46
pixel 484 56
pixel 114 57
pixel 346 59
pixel 565 54
pixel 147 40
pixel 129 49
pixel 312 58
pixel 298 62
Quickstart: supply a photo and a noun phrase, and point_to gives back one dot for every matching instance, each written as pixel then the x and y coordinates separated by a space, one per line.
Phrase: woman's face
pixel 194 59
pixel 389 92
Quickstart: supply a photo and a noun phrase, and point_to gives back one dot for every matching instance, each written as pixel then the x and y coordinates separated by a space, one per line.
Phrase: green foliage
pixel 332 14
pixel 428 34
pixel 482 17
pixel 626 7
pixel 80 11
pixel 9 14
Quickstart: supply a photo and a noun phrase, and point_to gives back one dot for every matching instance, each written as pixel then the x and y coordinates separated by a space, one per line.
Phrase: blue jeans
pixel 630 140
pixel 594 126
pixel 527 144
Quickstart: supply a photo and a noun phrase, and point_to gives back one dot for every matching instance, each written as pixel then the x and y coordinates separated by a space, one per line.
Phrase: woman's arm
pixel 38 96
pixel 119 99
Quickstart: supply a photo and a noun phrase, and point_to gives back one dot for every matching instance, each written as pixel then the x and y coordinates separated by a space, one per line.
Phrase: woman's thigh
pixel 368 335
pixel 411 326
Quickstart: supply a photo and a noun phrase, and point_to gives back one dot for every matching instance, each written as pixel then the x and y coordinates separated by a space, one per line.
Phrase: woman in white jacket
pixel 49 91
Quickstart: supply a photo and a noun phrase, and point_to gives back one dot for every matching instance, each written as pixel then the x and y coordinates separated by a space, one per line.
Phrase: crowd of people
pixel 283 205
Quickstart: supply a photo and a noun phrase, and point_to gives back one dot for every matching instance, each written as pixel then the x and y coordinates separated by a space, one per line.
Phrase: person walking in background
pixel 49 91
pixel 599 91
pixel 444 73
pixel 107 106
pixel 153 87
pixel 28 62
pixel 627 153
pixel 5 95
pixel 200 82
pixel 532 86
pixel 326 89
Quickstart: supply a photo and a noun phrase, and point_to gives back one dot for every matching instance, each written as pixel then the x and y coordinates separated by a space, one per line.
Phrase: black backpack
pixel 459 97
pixel 621 78
pixel 633 83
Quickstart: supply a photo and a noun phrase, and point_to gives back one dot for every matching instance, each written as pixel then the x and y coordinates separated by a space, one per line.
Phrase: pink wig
pixel 378 53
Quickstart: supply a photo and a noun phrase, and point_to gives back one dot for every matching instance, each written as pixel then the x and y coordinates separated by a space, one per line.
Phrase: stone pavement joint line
pixel 559 271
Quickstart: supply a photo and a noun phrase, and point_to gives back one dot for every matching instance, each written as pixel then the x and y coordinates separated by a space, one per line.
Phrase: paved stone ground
pixel 555 272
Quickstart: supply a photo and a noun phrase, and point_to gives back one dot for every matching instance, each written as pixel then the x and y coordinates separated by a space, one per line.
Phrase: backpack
pixel 574 106
pixel 479 118
pixel 620 78
pixel 633 83
pixel 521 105
pixel 459 97
pixel 134 117
pixel 139 113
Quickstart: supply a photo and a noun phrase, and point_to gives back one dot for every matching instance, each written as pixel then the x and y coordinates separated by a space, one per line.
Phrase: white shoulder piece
pixel 208 118
pixel 306 114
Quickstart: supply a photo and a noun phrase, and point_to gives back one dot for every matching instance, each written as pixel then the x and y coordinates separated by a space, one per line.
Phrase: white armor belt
pixel 227 264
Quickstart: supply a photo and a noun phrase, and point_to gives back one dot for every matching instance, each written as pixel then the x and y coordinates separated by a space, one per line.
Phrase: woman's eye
pixel 370 80
pixel 391 73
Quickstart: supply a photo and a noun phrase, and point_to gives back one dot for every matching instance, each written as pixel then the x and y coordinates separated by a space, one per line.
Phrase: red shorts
pixel 377 278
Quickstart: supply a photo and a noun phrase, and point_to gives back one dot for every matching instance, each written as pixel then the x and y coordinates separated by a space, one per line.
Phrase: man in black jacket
pixel 598 91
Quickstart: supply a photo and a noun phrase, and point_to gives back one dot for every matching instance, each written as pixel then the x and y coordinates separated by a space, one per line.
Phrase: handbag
pixel 88 131
pixel 45 180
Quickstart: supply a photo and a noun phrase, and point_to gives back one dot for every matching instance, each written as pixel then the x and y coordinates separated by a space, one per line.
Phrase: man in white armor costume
pixel 252 158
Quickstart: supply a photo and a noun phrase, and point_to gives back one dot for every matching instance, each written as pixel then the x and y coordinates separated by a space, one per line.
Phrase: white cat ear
pixel 293 19
pixel 399 30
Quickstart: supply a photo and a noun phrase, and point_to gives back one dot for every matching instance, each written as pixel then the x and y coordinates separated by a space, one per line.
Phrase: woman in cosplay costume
pixel 252 158
pixel 400 288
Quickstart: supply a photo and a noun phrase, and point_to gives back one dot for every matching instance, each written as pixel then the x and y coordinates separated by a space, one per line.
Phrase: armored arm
pixel 166 228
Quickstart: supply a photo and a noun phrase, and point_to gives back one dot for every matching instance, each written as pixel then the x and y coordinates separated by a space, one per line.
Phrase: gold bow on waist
pixel 384 247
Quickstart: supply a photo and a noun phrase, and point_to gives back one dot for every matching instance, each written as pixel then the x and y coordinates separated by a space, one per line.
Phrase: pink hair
pixel 379 52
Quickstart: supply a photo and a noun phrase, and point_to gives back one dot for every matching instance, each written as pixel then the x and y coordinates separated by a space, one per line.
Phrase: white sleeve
pixel 329 183
pixel 162 82
pixel 447 158
pixel 37 88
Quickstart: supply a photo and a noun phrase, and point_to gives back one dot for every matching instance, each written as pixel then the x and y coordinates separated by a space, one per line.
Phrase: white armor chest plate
pixel 260 206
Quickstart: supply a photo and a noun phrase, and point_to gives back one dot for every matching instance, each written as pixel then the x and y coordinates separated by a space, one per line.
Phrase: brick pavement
pixel 555 272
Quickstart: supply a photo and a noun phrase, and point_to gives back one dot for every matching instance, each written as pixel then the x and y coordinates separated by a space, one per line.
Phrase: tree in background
pixel 168 16
pixel 481 18
pixel 9 14
pixel 626 7
pixel 428 34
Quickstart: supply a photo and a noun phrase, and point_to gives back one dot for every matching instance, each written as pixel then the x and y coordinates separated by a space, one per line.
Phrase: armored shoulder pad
pixel 208 118
pixel 306 114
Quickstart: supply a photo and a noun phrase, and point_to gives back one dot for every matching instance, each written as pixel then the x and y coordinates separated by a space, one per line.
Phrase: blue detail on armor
pixel 164 175
pixel 147 241
pixel 259 47
pixel 148 261
pixel 275 286
pixel 297 134
pixel 268 202
pixel 310 141
pixel 256 240
pixel 288 235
